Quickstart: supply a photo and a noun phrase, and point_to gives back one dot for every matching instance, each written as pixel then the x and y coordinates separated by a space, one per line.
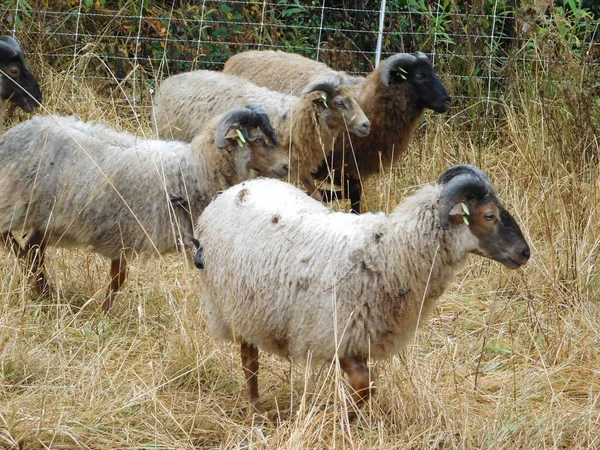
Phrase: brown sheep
pixel 393 96
pixel 307 126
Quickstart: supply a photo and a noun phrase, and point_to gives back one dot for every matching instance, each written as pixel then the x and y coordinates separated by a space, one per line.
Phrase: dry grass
pixel 510 359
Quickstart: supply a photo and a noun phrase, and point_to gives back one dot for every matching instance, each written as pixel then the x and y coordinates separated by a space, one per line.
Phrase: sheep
pixel 287 275
pixel 64 181
pixel 393 96
pixel 17 83
pixel 307 126
pixel 297 71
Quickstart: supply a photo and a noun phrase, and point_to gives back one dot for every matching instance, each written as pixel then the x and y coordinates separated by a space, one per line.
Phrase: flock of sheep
pixel 280 271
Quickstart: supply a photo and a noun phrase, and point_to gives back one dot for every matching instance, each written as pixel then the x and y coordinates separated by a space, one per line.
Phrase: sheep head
pixel 17 83
pixel 340 106
pixel 417 71
pixel 249 131
pixel 468 199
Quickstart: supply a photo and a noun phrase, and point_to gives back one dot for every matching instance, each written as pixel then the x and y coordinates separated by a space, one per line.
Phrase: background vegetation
pixel 508 360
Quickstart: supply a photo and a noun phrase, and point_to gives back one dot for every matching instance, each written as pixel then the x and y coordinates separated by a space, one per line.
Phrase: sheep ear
pixel 457 210
pixel 396 68
pixel 232 133
pixel 318 97
pixel 237 135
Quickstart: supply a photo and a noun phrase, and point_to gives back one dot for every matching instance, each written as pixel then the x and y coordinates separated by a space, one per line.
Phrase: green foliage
pixel 480 47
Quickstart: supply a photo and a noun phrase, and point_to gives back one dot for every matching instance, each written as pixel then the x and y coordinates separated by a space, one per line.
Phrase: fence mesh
pixel 475 45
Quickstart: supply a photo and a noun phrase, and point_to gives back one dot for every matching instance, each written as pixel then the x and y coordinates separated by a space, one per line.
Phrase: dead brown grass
pixel 509 359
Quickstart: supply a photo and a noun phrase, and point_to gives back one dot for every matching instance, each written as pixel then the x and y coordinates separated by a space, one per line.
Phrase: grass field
pixel 510 359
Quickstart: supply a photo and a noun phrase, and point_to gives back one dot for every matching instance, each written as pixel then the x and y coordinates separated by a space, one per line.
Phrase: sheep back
pixel 283 72
pixel 185 102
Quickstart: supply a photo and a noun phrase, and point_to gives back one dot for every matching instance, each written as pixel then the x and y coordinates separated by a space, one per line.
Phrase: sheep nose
pixel 286 168
pixel 526 253
pixel 364 128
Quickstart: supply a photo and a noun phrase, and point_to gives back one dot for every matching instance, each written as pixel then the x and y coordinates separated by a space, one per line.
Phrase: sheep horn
pixel 460 170
pixel 261 119
pixel 10 44
pixel 464 185
pixel 235 117
pixel 329 87
pixel 395 62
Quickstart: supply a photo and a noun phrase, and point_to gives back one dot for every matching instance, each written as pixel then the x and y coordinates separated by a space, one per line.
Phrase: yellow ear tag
pixel 324 100
pixel 241 140
pixel 466 210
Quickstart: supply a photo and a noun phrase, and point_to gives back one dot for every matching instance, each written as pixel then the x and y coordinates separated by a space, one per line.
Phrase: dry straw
pixel 508 360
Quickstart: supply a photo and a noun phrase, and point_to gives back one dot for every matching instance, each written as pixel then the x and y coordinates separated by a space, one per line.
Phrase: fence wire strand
pixel 140 42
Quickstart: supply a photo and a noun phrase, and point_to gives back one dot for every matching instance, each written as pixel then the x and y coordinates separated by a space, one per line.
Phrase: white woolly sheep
pixel 66 183
pixel 17 83
pixel 306 126
pixel 393 97
pixel 287 275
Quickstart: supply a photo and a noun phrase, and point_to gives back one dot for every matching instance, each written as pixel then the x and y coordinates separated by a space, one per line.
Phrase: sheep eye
pixel 490 216
pixel 14 72
pixel 340 104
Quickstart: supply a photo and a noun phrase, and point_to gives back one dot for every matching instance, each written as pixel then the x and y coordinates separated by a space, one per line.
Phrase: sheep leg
pixel 359 378
pixel 354 192
pixel 11 110
pixel 118 273
pixel 11 243
pixel 312 189
pixel 33 253
pixel 250 365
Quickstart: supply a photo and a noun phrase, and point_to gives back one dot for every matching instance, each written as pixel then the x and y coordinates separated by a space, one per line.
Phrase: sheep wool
pixel 291 276
pixel 307 126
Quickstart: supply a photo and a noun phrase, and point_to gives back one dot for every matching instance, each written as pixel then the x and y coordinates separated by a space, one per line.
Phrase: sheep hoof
pixel 41 287
pixel 256 414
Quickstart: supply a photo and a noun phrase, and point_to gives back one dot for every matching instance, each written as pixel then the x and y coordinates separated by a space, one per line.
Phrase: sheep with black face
pixel 393 97
pixel 284 274
pixel 17 83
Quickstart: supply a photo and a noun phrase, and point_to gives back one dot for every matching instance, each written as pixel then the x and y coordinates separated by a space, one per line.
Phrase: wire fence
pixel 475 47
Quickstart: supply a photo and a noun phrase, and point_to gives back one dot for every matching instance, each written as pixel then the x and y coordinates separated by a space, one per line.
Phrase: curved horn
pixel 258 117
pixel 395 63
pixel 10 43
pixel 421 55
pixel 464 185
pixel 460 170
pixel 237 116
pixel 329 87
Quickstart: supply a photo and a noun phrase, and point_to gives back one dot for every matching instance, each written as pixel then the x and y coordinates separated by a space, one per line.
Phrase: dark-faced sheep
pixel 393 97
pixel 69 183
pixel 284 274
pixel 307 126
pixel 17 83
